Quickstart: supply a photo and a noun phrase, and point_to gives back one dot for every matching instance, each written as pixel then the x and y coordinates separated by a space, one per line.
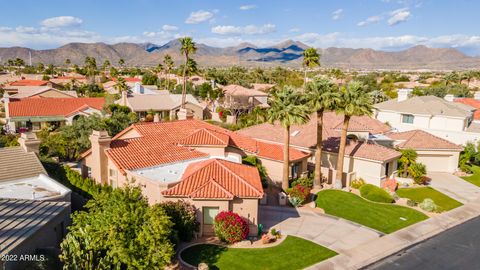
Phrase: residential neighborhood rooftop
pixel 52 106
pixel 29 83
pixel 40 187
pixel 18 164
pixel 419 139
pixel 238 90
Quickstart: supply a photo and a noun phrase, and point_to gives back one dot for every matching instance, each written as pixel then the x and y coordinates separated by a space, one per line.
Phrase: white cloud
pixel 61 21
pixel 26 29
pixel 337 14
pixel 240 30
pixel 398 16
pixel 294 30
pixel 247 7
pixel 167 27
pixel 369 20
pixel 199 16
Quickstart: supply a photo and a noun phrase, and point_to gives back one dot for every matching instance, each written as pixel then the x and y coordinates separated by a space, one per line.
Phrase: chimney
pixel 137 88
pixel 100 141
pixel 156 117
pixel 449 97
pixel 123 100
pixel 29 142
pixel 403 94
pixel 184 114
pixel 476 96
pixel 49 84
pixel 10 126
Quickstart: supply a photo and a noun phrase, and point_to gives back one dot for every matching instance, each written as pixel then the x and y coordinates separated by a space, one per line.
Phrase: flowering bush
pixel 298 194
pixel 230 227
pixel 182 214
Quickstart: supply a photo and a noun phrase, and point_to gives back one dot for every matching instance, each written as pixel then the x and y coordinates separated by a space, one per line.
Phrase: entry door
pixel 209 214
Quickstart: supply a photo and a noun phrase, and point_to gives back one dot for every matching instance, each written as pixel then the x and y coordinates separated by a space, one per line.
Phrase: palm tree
pixel 168 62
pixel 91 68
pixel 288 107
pixel 121 85
pixel 409 156
pixel 68 62
pixel 311 59
pixel 105 66
pixel 322 95
pixel 188 47
pixel 121 62
pixel 354 101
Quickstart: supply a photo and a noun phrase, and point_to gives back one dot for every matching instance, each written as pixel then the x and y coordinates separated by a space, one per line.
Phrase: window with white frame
pixel 407 118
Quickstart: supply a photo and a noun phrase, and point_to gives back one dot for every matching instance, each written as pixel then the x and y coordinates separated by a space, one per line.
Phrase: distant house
pixel 38 91
pixel 364 158
pixel 439 116
pixel 32 114
pixel 165 104
pixel 475 103
pixel 239 97
pixel 69 79
pixel 189 160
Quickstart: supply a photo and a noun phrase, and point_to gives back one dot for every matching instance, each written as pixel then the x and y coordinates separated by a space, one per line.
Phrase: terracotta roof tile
pixel 361 149
pixel 419 139
pixel 29 83
pixel 220 179
pixel 472 102
pixel 206 137
pixel 52 106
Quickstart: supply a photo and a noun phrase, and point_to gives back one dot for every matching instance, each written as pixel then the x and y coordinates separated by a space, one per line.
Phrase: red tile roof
pixel 419 139
pixel 218 179
pixel 471 102
pixel 128 79
pixel 52 106
pixel 29 83
pixel 206 137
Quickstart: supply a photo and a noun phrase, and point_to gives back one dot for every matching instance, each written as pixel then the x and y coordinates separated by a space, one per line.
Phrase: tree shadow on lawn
pixel 205 253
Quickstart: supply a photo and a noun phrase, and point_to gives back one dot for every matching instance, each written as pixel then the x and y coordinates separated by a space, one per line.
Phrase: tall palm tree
pixel 121 85
pixel 287 107
pixel 121 62
pixel 188 48
pixel 105 66
pixel 311 59
pixel 168 62
pixel 68 62
pixel 91 68
pixel 354 101
pixel 322 95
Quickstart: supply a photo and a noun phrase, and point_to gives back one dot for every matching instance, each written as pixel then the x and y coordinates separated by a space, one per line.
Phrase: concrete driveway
pixel 454 186
pixel 335 233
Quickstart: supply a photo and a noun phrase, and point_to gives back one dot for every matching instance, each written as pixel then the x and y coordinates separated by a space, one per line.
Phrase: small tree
pixel 230 227
pixel 409 156
pixel 182 214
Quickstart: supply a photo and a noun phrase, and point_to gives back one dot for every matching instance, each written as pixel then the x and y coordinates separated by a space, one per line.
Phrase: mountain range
pixel 288 53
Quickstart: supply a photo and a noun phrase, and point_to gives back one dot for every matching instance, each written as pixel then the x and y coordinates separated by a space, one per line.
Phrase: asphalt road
pixel 457 248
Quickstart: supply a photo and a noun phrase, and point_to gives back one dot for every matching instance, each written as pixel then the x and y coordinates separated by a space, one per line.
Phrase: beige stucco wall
pixel 275 168
pixel 439 161
pixel 213 151
pixel 248 209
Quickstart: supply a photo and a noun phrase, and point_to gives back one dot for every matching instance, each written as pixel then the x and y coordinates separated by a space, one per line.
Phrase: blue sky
pixel 378 24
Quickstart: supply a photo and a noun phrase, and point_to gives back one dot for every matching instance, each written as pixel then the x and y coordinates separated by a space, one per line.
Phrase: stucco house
pixel 440 116
pixel 32 114
pixel 239 97
pixel 163 103
pixel 189 160
pixel 364 158
pixel 439 155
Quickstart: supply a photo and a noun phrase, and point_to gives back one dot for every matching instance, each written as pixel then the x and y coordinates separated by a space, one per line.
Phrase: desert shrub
pixel 411 203
pixel 357 183
pixel 230 227
pixel 182 214
pixel 428 205
pixel 375 194
pixel 298 194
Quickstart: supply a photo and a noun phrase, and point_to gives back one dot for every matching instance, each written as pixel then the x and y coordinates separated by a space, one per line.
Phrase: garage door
pixel 435 163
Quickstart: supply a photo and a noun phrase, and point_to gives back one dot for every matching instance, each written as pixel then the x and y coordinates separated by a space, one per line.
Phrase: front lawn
pixel 292 253
pixel 419 194
pixel 475 177
pixel 386 218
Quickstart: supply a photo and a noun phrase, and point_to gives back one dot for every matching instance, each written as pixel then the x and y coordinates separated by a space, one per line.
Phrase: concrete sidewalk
pixel 454 186
pixel 335 233
pixel 367 253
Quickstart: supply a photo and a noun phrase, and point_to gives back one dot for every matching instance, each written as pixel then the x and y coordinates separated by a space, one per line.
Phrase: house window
pixel 295 169
pixel 407 118
pixel 113 173
pixel 209 214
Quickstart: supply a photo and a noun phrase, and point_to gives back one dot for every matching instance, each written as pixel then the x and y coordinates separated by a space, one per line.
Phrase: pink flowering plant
pixel 230 227
pixel 298 194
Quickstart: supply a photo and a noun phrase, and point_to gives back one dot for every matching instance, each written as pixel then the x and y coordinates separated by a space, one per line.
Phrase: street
pixel 457 248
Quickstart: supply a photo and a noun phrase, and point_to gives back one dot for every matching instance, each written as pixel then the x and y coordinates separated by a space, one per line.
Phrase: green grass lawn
pixel 292 253
pixel 475 177
pixel 386 218
pixel 419 194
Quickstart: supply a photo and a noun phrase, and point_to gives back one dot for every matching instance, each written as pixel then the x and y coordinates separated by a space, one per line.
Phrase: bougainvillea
pixel 230 227
pixel 298 194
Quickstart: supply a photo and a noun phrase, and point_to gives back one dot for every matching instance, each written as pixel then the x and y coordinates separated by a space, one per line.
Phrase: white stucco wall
pixel 439 161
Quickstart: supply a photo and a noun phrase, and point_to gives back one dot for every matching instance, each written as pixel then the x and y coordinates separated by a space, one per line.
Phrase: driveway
pixel 454 186
pixel 335 233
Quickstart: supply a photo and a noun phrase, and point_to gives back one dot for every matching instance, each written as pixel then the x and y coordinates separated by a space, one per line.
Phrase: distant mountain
pixel 288 53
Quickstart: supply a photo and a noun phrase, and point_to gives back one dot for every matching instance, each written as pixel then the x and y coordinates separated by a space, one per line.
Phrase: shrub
pixel 357 183
pixel 298 194
pixel 230 227
pixel 182 214
pixel 418 171
pixel 411 203
pixel 428 205
pixel 275 233
pixel 306 182
pixel 375 194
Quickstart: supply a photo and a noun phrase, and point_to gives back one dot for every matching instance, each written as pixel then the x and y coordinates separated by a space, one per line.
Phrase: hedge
pixel 375 194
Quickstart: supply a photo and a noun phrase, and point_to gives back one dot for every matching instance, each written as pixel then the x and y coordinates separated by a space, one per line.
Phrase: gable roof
pixel 160 101
pixel 18 164
pixel 419 139
pixel 29 83
pixel 30 91
pixel 51 106
pixel 238 90
pixel 206 137
pixel 426 105
pixel 218 179
pixel 473 103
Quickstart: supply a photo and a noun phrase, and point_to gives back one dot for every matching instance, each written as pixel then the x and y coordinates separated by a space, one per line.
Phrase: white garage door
pixel 435 163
